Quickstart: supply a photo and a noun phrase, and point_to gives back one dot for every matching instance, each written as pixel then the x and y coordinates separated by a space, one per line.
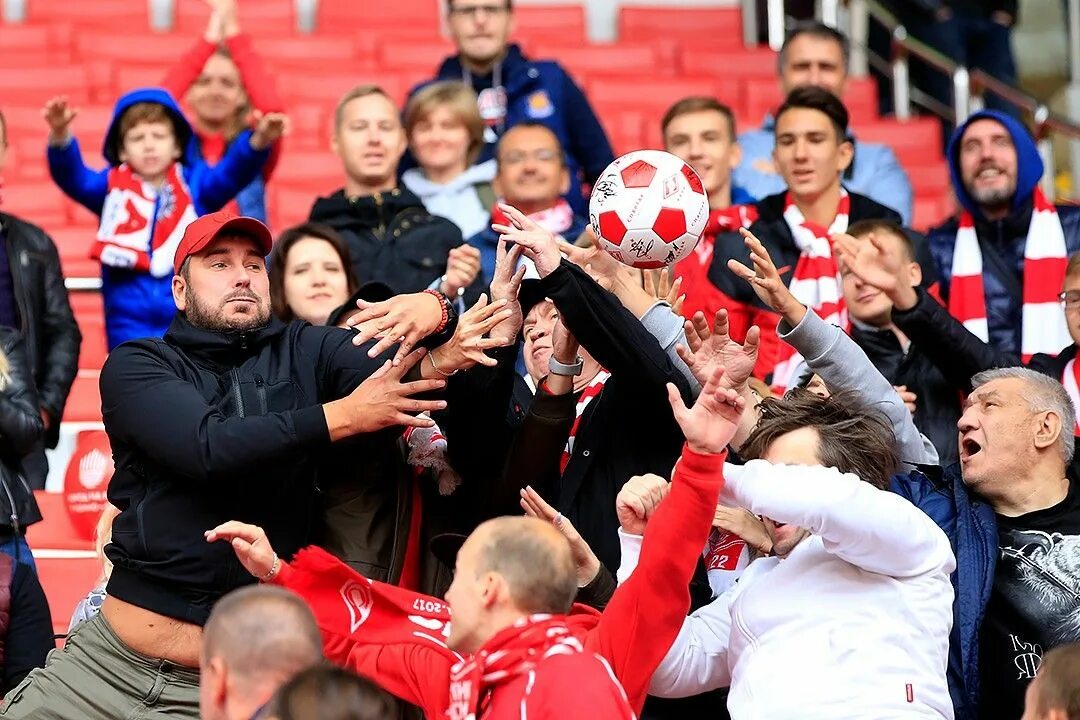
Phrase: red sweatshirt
pixel 259 86
pixel 397 637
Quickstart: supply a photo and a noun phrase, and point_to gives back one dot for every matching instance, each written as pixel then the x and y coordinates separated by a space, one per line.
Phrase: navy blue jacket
pixel 1006 237
pixel 542 91
pixel 971 527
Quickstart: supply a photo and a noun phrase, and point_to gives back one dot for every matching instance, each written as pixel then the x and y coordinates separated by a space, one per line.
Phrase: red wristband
pixel 442 306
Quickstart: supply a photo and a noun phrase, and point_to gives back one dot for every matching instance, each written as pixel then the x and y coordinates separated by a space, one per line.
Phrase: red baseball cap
pixel 208 228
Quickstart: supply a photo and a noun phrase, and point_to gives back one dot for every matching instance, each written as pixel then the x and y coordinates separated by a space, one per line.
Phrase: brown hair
pixel 331 693
pixel 852 437
pixel 810 97
pixel 359 91
pixel 862 228
pixel 698 103
pixel 280 256
pixel 457 97
pixel 1059 681
pixel 145 112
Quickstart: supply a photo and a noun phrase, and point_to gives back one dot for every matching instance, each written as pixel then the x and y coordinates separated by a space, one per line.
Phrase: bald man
pixel 1054 694
pixel 256 640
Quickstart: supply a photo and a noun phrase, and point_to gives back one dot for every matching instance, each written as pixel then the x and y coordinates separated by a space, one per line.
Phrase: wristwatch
pixel 558 368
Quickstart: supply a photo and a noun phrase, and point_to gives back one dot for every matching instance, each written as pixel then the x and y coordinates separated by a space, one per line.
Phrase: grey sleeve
pixel 667 328
pixel 844 366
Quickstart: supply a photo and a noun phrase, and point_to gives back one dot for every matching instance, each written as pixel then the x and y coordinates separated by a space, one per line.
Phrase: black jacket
pixel 206 427
pixel 20 434
pixel 959 354
pixel 937 408
pixel 393 238
pixel 26 630
pixel 52 335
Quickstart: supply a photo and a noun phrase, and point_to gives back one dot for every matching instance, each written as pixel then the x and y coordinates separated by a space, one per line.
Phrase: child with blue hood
pixel 153 188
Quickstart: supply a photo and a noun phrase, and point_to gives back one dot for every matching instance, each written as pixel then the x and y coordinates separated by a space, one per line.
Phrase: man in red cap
pixel 228 415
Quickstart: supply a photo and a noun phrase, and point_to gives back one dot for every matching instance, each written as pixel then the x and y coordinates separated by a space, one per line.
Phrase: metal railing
pixel 969 86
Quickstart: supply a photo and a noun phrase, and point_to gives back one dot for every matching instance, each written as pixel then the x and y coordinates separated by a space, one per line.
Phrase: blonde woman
pixel 445 135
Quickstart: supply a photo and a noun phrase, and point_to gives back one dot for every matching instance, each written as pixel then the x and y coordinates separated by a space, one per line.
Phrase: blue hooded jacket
pixel 137 304
pixel 1005 238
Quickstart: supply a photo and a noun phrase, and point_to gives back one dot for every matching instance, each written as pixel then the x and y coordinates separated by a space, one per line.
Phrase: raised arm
pixel 66 167
pixel 216 185
pixel 873 529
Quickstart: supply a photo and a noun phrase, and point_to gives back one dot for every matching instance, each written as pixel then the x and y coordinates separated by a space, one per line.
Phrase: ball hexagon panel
pixel 638 174
pixel 611 227
pixel 692 179
pixel 670 224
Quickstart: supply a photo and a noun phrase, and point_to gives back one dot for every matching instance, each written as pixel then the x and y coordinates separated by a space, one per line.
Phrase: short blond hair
pixel 357 92
pixel 457 97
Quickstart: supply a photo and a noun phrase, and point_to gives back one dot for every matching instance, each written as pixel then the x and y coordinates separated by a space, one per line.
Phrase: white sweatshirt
pixel 457 200
pixel 853 623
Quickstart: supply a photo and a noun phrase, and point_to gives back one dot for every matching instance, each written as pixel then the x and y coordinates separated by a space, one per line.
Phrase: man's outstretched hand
pixel 710 348
pixel 250 544
pixel 714 418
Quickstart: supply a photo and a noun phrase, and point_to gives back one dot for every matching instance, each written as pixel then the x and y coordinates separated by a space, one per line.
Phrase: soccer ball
pixel 648 209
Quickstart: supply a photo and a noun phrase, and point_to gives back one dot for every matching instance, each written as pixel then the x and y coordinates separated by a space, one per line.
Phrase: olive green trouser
pixel 95 676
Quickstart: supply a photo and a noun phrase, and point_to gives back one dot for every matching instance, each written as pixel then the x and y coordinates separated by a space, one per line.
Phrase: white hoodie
pixel 457 200
pixel 853 623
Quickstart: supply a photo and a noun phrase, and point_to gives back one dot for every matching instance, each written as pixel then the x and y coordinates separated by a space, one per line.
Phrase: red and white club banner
pixel 87 479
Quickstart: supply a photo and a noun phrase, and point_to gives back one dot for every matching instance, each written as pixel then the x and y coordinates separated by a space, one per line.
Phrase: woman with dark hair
pixel 224 82
pixel 310 273
pixel 325 692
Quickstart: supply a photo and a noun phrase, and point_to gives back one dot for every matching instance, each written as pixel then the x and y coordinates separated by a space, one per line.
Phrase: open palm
pixel 710 348
pixel 714 418
pixel 866 261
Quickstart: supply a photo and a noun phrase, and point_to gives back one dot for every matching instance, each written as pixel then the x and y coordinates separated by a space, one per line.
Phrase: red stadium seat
pixel 132 48
pixel 310 127
pixel 84 401
pixel 26 121
pixel 40 203
pixel 915 141
pixel 132 77
pixel 610 60
pixel 931 211
pixel 653 96
pixel 303 168
pixel 346 17
pixel 646 23
pixel 415 56
pixel 763 96
pixel 266 18
pixel 292 204
pixel 929 180
pixel 33 86
pixel 309 49
pixel 95 13
pixel 90 314
pixel 328 88
pixel 627 131
pixel 559 23
pixel 727 62
pixel 51 43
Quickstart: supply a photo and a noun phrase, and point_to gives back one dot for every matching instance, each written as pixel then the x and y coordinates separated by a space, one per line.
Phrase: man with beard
pixel 225 416
pixel 1002 259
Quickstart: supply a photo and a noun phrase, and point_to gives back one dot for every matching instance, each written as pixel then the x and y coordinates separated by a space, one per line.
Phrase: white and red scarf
pixel 1045 257
pixel 515 651
pixel 726 219
pixel 816 279
pixel 1070 378
pixel 141 226
pixel 556 220
pixel 726 556
pixel 591 391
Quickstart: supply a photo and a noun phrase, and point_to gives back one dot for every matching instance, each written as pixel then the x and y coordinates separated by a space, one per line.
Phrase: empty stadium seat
pixel 307 49
pixel 646 23
pixel 302 168
pixel 420 57
pixel 92 13
pixel 560 23
pixel 728 62
pixel 292 205
pixel 132 48
pixel 621 59
pixel 40 203
pixel 132 77
pixel 930 179
pixel 652 96
pixel 915 141
pixel 33 86
pixel 84 401
pixel 328 88
pixel 346 17
pixel 763 96
pixel 264 18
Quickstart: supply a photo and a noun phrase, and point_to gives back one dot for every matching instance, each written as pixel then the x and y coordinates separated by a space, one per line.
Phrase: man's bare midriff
pixel 149 633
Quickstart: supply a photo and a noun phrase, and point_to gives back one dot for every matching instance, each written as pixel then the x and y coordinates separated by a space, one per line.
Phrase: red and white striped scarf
pixel 590 392
pixel 1070 378
pixel 1045 257
pixel 816 280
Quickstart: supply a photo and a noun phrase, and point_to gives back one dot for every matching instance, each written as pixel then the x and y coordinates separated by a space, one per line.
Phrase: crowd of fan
pixel 849 443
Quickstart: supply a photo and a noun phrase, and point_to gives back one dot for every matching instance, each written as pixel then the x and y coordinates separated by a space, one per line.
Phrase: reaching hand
pixel 462 267
pixel 871 262
pixel 746 525
pixel 269 128
pixel 585 560
pixel 765 280
pixel 608 272
pixel 910 399
pixel 658 283
pixel 407 319
pixel 638 500
pixel 383 400
pixel 538 244
pixel 712 422
pixel 250 544
pixel 466 347
pixel 506 285
pixel 58 114
pixel 710 349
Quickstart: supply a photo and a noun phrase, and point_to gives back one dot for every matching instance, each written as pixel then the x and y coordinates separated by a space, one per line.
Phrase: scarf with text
pixel 1045 258
pixel 816 279
pixel 141 226
pixel 591 391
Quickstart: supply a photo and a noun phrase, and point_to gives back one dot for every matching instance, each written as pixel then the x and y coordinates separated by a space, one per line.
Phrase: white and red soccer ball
pixel 649 209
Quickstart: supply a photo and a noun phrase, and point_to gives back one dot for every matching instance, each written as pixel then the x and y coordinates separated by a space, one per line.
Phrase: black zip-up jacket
pixel 48 325
pixel 207 427
pixel 393 239
pixel 20 434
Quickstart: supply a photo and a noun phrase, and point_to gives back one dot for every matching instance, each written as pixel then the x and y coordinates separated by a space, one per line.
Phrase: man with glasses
pixel 532 176
pixel 512 89
pixel 1002 259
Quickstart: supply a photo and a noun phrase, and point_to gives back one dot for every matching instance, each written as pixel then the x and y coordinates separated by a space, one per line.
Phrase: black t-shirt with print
pixel 1034 604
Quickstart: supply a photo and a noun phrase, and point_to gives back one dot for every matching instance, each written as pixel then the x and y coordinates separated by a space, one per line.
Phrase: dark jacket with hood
pixel 20 434
pixel 138 304
pixel 1002 241
pixel 206 427
pixel 541 91
pixel 393 239
pixel 46 320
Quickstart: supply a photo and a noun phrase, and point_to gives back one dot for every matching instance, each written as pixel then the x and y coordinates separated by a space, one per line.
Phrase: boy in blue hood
pixel 153 188
pixel 1004 222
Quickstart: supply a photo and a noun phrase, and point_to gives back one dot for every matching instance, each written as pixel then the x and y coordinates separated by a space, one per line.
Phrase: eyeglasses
pixel 544 155
pixel 474 11
pixel 1070 299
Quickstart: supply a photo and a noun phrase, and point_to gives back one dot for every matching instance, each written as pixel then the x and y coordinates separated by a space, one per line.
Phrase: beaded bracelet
pixel 443 305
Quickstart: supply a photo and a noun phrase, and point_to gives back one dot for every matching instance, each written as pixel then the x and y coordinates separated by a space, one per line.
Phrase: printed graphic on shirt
pixel 1044 584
